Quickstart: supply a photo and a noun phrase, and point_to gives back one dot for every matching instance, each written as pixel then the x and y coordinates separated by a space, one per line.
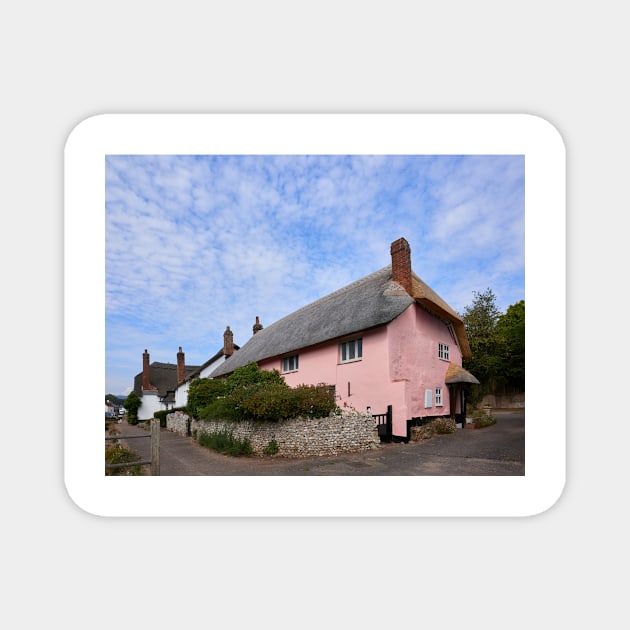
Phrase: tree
pixel 497 344
pixel 480 320
pixel 132 404
pixel 510 331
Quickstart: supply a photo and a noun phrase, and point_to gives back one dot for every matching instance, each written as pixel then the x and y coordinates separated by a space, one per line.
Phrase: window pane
pixel 351 350
pixel 343 351
pixel 359 348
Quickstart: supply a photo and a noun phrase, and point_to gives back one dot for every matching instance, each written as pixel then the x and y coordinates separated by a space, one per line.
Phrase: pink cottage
pixel 385 341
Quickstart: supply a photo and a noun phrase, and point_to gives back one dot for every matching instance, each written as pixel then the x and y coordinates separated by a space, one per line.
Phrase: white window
pixel 351 350
pixel 428 398
pixel 290 364
pixel 443 352
pixel 438 397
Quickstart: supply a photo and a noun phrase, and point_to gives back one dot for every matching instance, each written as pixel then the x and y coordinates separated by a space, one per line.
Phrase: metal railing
pixel 155 449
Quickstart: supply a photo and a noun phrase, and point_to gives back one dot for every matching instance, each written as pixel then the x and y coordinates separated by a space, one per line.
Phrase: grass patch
pixel 225 442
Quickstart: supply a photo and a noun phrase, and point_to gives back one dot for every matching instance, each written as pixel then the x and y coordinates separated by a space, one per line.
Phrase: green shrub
pixel 271 448
pixel 219 409
pixel 443 425
pixel 202 392
pixel 313 401
pixel 225 442
pixel 254 394
pixel 484 421
pixel 161 416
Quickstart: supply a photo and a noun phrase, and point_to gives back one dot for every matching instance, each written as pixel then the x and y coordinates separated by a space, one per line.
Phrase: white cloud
pixel 198 243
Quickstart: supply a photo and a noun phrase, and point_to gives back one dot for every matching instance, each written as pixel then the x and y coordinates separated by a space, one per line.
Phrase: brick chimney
pixel 257 326
pixel 401 264
pixel 181 367
pixel 228 342
pixel 146 372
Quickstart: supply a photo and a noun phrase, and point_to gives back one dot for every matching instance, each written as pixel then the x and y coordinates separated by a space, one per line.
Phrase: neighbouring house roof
pixel 372 301
pixel 163 377
pixel 195 374
pixel 457 374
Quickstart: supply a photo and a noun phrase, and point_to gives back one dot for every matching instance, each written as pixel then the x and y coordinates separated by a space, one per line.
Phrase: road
pixel 492 451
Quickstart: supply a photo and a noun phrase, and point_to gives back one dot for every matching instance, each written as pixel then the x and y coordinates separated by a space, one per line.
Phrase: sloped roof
pixel 163 376
pixel 429 299
pixel 457 374
pixel 372 301
pixel 195 373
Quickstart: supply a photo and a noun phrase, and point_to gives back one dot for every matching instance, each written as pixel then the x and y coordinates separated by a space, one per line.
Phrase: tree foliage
pixel 510 331
pixel 132 404
pixel 497 343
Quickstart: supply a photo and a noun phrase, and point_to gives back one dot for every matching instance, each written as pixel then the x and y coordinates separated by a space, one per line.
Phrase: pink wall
pixel 413 344
pixel 368 378
pixel 400 361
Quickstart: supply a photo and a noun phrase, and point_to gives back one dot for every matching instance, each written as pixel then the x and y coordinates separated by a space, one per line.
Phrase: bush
pixel 161 416
pixel 225 442
pixel 443 425
pixel 202 392
pixel 254 394
pixel 484 421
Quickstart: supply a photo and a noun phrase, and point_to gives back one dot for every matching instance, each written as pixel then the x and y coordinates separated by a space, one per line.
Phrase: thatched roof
pixel 372 301
pixel 457 374
pixel 163 376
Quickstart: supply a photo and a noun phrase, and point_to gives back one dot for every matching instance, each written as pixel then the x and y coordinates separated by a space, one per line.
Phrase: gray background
pixel 66 61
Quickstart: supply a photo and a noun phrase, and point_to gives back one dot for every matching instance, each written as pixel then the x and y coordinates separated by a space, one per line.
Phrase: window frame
pixel 444 351
pixel 288 361
pixel 438 397
pixel 357 347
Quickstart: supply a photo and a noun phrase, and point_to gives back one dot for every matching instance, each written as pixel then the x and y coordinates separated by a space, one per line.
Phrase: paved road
pixel 493 451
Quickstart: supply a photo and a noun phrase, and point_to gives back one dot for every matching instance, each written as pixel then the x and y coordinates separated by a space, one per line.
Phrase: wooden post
pixel 155 447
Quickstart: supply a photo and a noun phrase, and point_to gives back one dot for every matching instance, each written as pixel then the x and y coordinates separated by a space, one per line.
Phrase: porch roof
pixel 457 374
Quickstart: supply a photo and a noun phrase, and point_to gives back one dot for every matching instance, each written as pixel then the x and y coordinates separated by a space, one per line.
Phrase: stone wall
pixel 345 433
pixel 504 401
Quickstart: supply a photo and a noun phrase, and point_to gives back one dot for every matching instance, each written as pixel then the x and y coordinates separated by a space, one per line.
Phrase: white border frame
pixel 84 302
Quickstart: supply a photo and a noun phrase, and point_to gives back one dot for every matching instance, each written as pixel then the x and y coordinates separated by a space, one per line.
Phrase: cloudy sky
pixel 198 243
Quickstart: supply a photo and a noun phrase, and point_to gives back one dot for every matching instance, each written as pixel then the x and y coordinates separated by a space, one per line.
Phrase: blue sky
pixel 198 243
